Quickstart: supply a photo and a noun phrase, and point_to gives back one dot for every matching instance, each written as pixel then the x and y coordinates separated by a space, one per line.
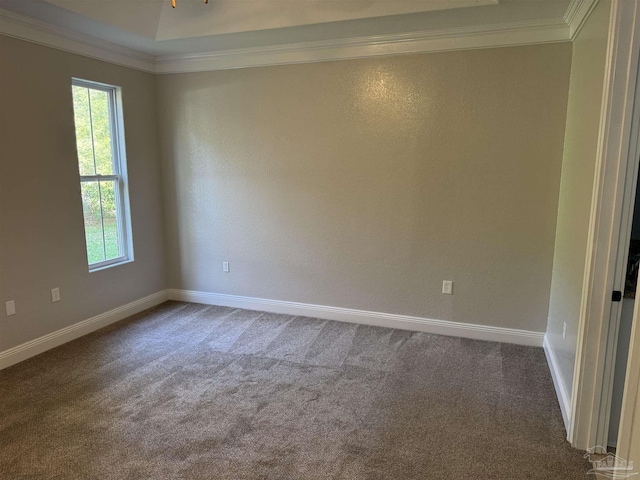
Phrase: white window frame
pixel 123 213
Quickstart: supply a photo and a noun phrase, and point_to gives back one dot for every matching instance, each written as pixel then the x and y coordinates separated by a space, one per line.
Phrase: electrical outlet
pixel 447 287
pixel 11 307
pixel 55 294
pixel 225 267
pixel 564 331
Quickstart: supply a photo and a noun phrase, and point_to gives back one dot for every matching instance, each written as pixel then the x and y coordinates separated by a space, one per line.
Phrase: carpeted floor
pixel 187 391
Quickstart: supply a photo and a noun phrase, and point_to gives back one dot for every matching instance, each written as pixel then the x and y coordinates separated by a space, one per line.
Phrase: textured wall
pixel 578 167
pixel 365 183
pixel 42 238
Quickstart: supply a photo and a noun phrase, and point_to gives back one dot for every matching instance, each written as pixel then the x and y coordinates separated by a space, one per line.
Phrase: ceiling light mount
pixel 173 3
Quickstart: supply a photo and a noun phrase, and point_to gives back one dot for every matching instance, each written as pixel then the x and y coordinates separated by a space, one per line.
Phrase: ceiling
pixel 154 28
pixel 157 20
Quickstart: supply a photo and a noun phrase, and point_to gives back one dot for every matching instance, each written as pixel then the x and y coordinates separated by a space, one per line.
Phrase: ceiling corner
pixel 576 15
pixel 35 31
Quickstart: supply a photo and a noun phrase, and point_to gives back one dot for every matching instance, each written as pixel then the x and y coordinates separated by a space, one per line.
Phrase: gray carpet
pixel 186 391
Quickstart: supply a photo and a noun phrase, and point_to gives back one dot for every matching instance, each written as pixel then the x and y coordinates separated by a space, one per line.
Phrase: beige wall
pixel 42 237
pixel 578 168
pixel 365 183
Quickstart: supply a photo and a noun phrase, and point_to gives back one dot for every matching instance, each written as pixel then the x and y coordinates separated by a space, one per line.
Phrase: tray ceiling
pixel 156 19
pixel 152 27
pixel 151 36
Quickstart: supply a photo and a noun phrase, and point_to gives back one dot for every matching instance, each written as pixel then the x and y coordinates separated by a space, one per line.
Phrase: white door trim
pixel 626 224
pixel 628 444
pixel 590 396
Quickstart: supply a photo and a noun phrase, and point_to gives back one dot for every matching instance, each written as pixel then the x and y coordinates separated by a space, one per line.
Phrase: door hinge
pixel 616 296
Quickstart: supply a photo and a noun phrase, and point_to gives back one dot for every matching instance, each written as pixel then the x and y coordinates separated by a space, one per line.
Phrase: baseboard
pixel 564 399
pixel 77 330
pixel 404 322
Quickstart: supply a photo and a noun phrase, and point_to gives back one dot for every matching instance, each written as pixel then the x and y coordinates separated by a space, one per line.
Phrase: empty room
pixel 318 239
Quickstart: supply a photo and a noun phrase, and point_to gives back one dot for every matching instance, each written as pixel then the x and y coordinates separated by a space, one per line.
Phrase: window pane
pixel 101 132
pixel 83 130
pixel 109 193
pixel 98 120
pixel 93 222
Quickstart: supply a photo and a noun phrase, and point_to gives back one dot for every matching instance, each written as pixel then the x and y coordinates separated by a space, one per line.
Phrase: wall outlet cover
pixel 11 307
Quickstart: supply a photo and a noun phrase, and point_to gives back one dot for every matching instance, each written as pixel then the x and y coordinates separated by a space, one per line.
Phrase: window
pixel 103 175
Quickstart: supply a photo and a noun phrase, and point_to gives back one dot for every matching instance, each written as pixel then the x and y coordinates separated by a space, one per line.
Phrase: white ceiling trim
pixel 522 33
pixel 35 31
pixel 576 15
pixel 488 36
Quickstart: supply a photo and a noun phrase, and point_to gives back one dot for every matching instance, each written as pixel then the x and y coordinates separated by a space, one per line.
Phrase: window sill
pixel 110 265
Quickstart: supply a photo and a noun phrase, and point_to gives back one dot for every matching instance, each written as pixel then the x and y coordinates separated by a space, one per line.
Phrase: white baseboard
pixel 564 399
pixel 77 330
pixel 404 322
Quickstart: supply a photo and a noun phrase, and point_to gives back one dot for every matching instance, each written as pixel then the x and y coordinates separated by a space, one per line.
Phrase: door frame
pixel 609 223
pixel 628 442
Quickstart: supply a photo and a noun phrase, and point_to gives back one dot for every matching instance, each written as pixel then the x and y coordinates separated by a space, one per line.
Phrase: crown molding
pixel 42 33
pixel 576 15
pixel 504 35
pixel 466 38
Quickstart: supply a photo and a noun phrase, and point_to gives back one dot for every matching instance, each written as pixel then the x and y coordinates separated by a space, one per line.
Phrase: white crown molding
pixel 77 330
pixel 488 36
pixel 35 31
pixel 576 15
pixel 378 319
